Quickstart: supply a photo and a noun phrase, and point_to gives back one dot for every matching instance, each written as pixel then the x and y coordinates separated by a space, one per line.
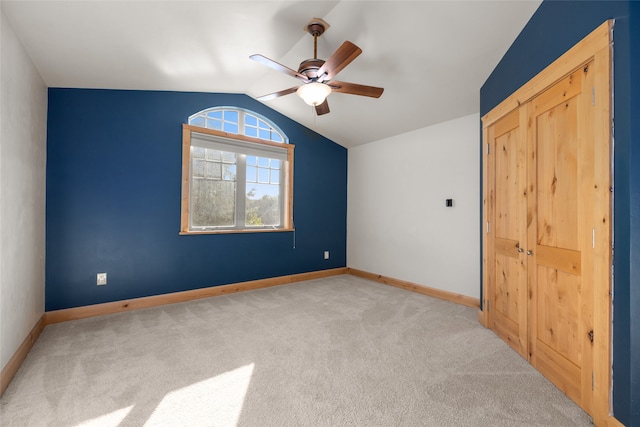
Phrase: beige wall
pixel 23 123
pixel 397 222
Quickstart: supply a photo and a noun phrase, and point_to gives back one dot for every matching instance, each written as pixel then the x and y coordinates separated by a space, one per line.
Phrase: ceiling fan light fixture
pixel 314 93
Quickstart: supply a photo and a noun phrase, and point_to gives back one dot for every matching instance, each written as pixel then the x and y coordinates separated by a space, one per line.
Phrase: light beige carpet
pixel 341 351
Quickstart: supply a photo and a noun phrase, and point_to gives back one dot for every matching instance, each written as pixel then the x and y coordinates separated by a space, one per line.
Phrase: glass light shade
pixel 314 93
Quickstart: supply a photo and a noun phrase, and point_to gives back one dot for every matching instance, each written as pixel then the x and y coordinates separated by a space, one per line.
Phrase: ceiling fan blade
pixel 356 89
pixel 278 67
pixel 340 59
pixel 322 108
pixel 277 94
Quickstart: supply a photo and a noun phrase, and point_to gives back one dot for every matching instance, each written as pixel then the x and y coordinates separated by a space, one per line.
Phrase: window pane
pixel 264 134
pixel 229 172
pixel 212 203
pixel 264 125
pixel 251 160
pixel 262 205
pixel 275 137
pixel 214 124
pixel 228 157
pixel 250 120
pixel 263 162
pixel 275 164
pixel 249 131
pixel 251 173
pixel 230 127
pixel 263 175
pixel 213 154
pixel 213 170
pixel 215 114
pixel 197 152
pixel 231 116
pixel 198 167
pixel 275 176
pixel 198 121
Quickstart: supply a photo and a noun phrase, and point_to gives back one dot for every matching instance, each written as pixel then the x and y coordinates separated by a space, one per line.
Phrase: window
pixel 237 174
pixel 238 121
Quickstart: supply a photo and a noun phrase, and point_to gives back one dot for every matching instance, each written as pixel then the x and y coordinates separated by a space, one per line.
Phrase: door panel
pixel 558 308
pixel 563 259
pixel 509 275
pixel 508 293
pixel 558 139
pixel 557 180
pixel 564 374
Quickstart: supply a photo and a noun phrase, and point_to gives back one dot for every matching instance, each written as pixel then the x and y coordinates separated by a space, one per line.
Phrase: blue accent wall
pixel 633 329
pixel 554 28
pixel 114 191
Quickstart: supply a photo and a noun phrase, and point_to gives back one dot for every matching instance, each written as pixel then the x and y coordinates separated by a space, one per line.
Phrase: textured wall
pixel 398 224
pixel 113 201
pixel 23 111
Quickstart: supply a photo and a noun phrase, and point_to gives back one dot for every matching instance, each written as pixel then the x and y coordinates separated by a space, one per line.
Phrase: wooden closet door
pixel 563 118
pixel 507 270
pixel 561 176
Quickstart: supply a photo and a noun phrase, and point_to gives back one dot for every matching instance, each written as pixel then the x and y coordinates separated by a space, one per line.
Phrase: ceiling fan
pixel 317 75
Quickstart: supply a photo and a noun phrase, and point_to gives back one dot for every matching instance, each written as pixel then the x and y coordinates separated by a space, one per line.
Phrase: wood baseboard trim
pixel 10 369
pixel 84 312
pixel 413 287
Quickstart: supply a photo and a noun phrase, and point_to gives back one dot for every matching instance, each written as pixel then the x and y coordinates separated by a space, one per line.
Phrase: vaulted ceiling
pixel 431 57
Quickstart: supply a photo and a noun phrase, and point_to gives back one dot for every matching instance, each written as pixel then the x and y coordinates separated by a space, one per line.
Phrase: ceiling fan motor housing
pixel 310 67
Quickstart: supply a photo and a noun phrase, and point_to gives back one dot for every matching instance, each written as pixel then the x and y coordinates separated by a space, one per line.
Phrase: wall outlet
pixel 101 279
pixel 326 254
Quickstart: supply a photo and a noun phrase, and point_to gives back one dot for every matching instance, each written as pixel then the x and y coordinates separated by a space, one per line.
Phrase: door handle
pixel 520 250
pixel 529 252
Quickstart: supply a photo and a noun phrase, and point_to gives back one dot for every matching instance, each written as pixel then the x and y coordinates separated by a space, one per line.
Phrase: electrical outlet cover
pixel 101 279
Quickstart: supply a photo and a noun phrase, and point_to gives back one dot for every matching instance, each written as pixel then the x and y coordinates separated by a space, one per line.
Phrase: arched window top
pixel 239 121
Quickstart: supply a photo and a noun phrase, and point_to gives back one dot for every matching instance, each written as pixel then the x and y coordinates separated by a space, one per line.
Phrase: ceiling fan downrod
pixel 315 28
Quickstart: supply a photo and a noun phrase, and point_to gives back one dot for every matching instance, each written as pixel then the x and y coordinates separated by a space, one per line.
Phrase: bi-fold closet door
pixel 547 214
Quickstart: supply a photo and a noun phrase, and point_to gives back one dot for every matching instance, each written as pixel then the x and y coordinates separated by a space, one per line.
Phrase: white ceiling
pixel 431 57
